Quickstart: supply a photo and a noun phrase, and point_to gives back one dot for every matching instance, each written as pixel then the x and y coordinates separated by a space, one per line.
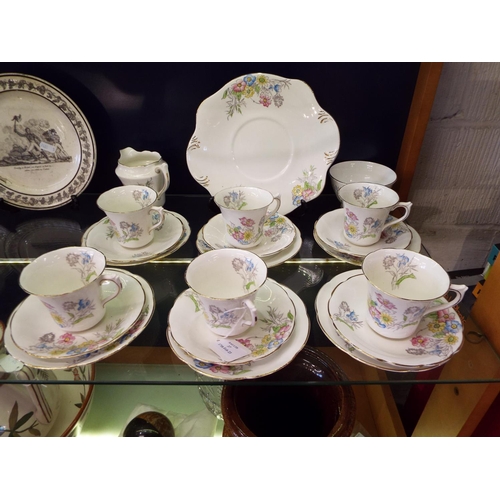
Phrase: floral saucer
pixel 279 233
pixel 275 321
pixel 262 367
pixel 167 239
pixel 330 229
pixel 415 245
pixel 90 357
pixel 328 328
pixel 271 260
pixel 34 331
pixel 439 337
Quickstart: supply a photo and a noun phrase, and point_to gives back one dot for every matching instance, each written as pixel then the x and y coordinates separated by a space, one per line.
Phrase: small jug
pixel 144 168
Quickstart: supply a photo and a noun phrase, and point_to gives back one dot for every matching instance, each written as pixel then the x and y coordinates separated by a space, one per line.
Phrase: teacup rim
pixel 122 188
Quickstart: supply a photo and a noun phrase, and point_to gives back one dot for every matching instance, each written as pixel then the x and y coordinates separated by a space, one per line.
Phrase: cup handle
pixel 116 280
pixel 272 211
pixel 459 291
pixel 406 205
pixel 162 213
pixel 248 307
pixel 163 169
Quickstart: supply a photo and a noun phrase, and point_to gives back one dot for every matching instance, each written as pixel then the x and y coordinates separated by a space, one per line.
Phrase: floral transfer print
pixel 258 88
pixel 126 232
pixel 369 228
pixel 400 267
pixel 74 312
pixel 276 226
pixel 223 369
pixel 348 317
pixel 367 196
pixel 234 200
pixel 83 263
pixel 246 232
pixel 16 422
pixel 308 187
pixel 142 196
pixel 392 233
pixel 247 269
pixel 444 329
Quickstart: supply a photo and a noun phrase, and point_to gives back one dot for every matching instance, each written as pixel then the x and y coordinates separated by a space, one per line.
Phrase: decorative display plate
pixel 328 328
pixel 275 320
pixel 330 229
pixel 34 331
pixel 167 239
pixel 272 260
pixel 439 336
pixel 265 131
pixel 279 233
pixel 90 357
pixel 415 245
pixel 47 148
pixel 254 369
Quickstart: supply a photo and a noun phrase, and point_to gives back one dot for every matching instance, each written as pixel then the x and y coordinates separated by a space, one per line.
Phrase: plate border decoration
pixel 19 82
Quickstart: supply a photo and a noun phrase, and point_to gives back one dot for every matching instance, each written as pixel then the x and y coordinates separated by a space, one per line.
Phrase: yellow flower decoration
pixel 262 79
pixel 352 228
pixel 247 235
pixel 436 327
pixel 297 190
pixel 386 318
pixel 451 339
pixel 248 92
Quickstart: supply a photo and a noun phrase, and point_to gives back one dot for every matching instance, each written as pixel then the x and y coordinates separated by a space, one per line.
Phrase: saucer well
pixel 34 331
pixel 279 233
pixel 166 240
pixel 330 229
pixel 439 336
pixel 91 357
pixel 254 369
pixel 275 321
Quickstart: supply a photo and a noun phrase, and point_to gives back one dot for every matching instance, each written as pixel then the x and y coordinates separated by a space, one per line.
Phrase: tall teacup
pixel 402 288
pixel 366 209
pixel 225 283
pixel 132 212
pixel 245 209
pixel 68 283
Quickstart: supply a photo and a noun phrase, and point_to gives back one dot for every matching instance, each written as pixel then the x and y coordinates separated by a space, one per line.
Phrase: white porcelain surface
pixel 32 328
pixel 266 131
pixel 255 369
pixel 167 239
pixel 276 318
pixel 439 336
pixel 90 357
pixel 329 228
pixel 47 148
pixel 279 232
pixel 328 328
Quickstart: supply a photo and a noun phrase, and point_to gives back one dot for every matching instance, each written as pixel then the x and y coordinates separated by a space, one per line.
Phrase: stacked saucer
pixel 171 236
pixel 329 235
pixel 280 333
pixel 341 308
pixel 281 239
pixel 32 337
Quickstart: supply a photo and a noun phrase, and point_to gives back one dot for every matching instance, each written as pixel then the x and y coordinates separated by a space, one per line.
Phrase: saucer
pixel 415 245
pixel 272 260
pixel 167 239
pixel 328 328
pixel 97 355
pixel 279 233
pixel 330 229
pixel 254 369
pixel 275 321
pixel 439 336
pixel 34 331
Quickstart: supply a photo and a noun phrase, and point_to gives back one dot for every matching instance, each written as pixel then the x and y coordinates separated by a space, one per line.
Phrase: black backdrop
pixel 153 106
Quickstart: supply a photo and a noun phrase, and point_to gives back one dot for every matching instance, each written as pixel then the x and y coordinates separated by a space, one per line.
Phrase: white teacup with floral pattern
pixel 133 215
pixel 366 209
pixel 68 283
pixel 403 286
pixel 245 209
pixel 225 282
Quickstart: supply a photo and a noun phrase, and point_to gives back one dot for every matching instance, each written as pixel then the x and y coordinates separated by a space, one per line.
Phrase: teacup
pixel 129 209
pixel 402 288
pixel 67 281
pixel 366 209
pixel 245 209
pixel 225 283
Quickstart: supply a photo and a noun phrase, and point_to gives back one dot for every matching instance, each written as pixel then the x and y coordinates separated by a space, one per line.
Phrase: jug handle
pixel 163 169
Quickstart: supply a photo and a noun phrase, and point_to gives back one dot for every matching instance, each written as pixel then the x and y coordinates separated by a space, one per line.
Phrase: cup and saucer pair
pixel 280 241
pixel 341 308
pixel 328 233
pixel 32 337
pixel 281 331
pixel 171 236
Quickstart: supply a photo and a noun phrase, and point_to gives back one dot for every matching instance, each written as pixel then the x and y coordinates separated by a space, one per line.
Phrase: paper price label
pixel 229 350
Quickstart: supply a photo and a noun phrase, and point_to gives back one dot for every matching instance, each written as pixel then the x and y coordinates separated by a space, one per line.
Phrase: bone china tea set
pixel 233 322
